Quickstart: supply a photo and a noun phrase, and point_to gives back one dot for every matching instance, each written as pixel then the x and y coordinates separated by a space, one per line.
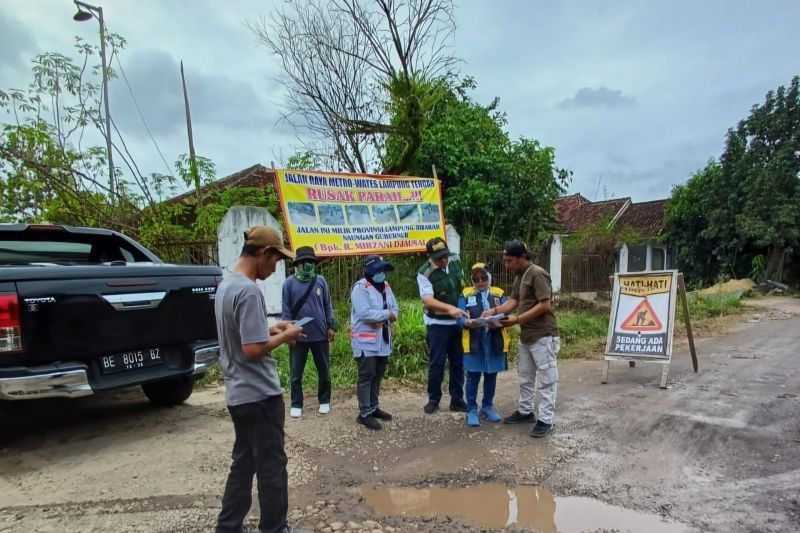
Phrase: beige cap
pixel 266 237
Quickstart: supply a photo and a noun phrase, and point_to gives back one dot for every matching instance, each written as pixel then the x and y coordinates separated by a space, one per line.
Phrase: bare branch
pixel 339 59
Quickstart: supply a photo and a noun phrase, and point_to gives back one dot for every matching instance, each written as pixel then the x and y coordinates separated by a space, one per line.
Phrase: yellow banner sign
pixel 352 214
pixel 645 285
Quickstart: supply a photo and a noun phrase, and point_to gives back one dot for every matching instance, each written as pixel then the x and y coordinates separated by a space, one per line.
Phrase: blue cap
pixel 374 264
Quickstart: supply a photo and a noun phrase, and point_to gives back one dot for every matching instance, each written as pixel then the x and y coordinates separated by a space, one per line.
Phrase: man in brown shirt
pixel 539 337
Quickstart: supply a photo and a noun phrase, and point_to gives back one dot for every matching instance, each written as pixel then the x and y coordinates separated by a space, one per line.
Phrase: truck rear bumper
pixel 204 357
pixel 71 380
pixel 50 383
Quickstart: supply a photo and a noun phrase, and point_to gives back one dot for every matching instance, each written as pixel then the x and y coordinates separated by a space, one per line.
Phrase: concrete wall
pixel 555 263
pixel 453 239
pixel 623 259
pixel 230 239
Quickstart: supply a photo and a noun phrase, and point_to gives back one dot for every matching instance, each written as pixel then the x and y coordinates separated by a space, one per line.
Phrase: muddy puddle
pixel 497 506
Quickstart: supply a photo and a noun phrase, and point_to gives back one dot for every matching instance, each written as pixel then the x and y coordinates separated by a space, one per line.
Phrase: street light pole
pixel 81 16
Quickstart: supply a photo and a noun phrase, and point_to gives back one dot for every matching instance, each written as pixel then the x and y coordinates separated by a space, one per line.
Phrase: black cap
pixel 305 253
pixel 516 249
pixel 436 248
pixel 374 264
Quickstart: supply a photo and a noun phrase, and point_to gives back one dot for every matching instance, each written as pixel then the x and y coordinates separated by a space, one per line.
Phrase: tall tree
pixel 500 187
pixel 689 210
pixel 351 66
pixel 762 157
pixel 50 170
pixel 747 206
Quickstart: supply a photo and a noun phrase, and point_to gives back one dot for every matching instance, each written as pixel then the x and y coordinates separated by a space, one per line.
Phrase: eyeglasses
pixel 480 278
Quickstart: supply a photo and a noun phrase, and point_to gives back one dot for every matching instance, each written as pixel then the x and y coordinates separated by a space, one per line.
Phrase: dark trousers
pixel 444 344
pixel 370 374
pixel 298 355
pixel 489 386
pixel 258 450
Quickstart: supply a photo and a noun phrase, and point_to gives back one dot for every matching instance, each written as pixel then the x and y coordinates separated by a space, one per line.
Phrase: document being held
pixel 493 320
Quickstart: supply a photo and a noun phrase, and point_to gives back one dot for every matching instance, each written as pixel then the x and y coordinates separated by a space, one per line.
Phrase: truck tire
pixel 169 392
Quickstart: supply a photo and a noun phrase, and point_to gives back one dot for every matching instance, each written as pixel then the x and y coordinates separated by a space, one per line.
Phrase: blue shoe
pixel 489 414
pixel 472 419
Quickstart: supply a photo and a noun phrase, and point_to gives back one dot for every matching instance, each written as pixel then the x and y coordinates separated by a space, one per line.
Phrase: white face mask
pixel 380 277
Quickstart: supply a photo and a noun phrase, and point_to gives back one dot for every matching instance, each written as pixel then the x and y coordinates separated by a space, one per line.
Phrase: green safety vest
pixel 446 286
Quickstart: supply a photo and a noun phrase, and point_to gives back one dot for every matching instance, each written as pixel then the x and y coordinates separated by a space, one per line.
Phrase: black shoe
pixel 541 429
pixel 381 415
pixel 517 418
pixel 369 422
pixel 459 406
pixel 430 408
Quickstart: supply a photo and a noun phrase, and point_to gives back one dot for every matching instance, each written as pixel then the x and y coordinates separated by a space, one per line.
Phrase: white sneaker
pixel 295 412
pixel 324 408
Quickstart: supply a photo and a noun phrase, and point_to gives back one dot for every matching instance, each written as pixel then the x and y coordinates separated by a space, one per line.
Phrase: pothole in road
pixel 497 506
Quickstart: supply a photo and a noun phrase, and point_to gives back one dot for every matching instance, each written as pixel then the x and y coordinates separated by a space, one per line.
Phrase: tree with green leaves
pixel 746 207
pixel 687 219
pixel 50 170
pixel 513 182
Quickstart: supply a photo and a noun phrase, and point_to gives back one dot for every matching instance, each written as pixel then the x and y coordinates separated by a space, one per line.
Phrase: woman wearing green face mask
pixel 306 294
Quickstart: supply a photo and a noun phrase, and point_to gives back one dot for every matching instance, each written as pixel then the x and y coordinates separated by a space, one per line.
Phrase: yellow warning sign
pixel 645 284
pixel 643 318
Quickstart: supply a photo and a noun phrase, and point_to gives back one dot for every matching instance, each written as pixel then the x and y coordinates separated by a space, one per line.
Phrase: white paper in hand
pixel 493 320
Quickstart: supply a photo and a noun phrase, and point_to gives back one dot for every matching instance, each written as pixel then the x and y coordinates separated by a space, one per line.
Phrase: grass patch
pixel 409 359
pixel 711 307
pixel 583 335
pixel 408 362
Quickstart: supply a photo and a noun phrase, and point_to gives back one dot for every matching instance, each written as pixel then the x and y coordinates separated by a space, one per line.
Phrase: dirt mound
pixel 729 287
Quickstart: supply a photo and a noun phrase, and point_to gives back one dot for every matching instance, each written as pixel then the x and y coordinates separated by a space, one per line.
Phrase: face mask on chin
pixel 380 277
pixel 305 271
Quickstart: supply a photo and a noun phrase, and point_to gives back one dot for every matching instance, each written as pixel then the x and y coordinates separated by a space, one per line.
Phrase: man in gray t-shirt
pixel 252 387
pixel 242 319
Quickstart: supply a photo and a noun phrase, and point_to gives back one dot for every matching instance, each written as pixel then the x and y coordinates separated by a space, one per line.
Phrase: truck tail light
pixel 10 327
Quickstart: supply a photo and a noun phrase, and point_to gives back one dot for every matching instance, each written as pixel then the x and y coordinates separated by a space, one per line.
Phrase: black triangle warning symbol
pixel 643 318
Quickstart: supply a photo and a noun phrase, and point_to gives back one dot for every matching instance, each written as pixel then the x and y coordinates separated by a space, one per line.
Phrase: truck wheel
pixel 173 391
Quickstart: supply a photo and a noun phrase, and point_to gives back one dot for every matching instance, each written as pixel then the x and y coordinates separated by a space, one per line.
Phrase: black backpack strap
pixel 303 299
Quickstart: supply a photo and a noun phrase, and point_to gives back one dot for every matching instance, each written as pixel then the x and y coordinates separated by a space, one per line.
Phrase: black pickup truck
pixel 85 310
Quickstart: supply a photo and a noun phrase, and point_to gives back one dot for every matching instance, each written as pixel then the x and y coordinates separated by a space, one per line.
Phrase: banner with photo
pixel 358 214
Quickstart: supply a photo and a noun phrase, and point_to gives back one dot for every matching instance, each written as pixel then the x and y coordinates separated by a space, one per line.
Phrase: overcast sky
pixel 634 95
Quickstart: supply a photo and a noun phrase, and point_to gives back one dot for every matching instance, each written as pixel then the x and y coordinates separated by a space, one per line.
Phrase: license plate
pixel 133 360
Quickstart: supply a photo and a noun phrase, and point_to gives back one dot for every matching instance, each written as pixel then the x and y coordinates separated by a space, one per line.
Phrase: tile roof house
pixel 589 273
pixel 254 176
pixel 645 217
pixel 575 212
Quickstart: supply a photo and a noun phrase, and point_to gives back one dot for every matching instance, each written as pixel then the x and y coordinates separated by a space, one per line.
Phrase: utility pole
pixel 81 16
pixel 192 159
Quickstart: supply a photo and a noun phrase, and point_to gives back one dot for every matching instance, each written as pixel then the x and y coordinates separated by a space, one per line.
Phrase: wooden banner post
pixel 689 335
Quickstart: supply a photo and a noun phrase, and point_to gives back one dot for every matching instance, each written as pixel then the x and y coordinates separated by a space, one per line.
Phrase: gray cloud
pixel 597 98
pixel 685 63
pixel 16 43
pixel 617 158
pixel 216 101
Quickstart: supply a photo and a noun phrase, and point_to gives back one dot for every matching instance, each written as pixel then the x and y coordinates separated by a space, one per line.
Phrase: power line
pixel 141 116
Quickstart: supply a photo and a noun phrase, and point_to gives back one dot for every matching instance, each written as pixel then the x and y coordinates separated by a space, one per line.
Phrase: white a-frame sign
pixel 642 319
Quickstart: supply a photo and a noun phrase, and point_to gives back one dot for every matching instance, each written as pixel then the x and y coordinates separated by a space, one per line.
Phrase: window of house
pixel 657 259
pixel 637 258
